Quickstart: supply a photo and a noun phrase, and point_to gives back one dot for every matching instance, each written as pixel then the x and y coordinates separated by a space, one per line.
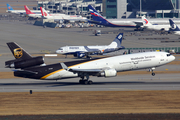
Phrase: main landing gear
pixel 153 74
pixel 85 81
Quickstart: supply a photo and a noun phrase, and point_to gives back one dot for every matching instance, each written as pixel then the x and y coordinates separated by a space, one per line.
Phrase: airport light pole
pixel 140 8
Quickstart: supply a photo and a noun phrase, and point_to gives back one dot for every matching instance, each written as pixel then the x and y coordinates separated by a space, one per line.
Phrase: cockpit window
pixel 60 49
pixel 168 55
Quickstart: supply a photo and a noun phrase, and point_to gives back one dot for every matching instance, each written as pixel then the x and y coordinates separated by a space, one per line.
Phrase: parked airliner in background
pixel 136 23
pixel 82 51
pixel 174 28
pixel 33 67
pixel 148 25
pixel 32 14
pixel 62 17
pixel 11 10
pixel 100 20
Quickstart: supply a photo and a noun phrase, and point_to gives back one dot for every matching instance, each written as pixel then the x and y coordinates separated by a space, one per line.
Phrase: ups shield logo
pixel 18 53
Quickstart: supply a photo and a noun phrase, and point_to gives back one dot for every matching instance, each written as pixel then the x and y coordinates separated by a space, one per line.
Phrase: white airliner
pixel 136 23
pixel 58 17
pixel 148 25
pixel 174 28
pixel 30 67
pixel 11 10
pixel 99 19
pixel 32 14
pixel 82 51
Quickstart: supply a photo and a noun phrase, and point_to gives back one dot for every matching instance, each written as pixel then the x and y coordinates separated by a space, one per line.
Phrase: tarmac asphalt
pixel 38 40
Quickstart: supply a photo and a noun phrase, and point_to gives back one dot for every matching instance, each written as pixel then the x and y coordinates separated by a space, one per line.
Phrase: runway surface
pixel 119 83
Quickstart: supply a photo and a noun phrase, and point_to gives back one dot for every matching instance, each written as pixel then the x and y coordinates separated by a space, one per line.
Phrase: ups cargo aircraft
pixel 82 51
pixel 34 67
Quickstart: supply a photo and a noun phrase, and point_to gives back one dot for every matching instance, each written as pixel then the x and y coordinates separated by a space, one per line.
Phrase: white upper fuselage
pixel 128 62
pixel 132 22
pixel 64 17
pixel 158 27
pixel 35 15
pixel 122 22
pixel 23 11
pixel 73 49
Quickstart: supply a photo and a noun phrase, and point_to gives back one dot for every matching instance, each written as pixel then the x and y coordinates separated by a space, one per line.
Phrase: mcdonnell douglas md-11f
pixel 82 51
pixel 33 67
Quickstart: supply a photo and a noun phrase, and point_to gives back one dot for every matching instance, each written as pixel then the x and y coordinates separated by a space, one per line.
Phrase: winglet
pixel 64 66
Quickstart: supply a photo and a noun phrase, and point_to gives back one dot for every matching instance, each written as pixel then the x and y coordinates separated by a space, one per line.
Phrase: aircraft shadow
pixel 57 84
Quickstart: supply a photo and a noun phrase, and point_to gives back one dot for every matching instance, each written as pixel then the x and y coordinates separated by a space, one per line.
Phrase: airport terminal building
pixel 116 8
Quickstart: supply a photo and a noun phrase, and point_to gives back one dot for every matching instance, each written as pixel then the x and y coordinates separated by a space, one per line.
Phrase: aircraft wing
pixel 24 72
pixel 81 70
pixel 85 70
pixel 99 52
pixel 93 21
pixel 91 50
pixel 138 23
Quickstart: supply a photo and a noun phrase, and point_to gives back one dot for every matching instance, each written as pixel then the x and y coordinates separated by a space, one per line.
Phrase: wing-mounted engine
pixel 80 55
pixel 25 63
pixel 108 73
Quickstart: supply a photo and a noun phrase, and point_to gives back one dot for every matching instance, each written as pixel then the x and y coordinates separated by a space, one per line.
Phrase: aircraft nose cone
pixel 173 58
pixel 57 51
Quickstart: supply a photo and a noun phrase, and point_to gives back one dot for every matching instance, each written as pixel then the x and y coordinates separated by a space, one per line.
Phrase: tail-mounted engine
pixel 25 63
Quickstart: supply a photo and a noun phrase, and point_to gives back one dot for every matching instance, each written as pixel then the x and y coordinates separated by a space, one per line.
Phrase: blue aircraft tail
pixel 117 41
pixel 9 7
pixel 174 27
pixel 97 17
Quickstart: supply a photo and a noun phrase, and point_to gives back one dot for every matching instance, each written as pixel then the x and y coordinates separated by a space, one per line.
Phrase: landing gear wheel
pixel 81 81
pixel 153 74
pixel 90 82
pixel 85 82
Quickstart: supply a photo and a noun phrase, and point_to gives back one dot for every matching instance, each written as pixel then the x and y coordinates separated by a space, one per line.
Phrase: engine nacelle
pixel 108 73
pixel 25 63
pixel 80 55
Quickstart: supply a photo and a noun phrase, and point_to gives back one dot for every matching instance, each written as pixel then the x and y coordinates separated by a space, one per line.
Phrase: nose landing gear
pixel 153 74
pixel 151 69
